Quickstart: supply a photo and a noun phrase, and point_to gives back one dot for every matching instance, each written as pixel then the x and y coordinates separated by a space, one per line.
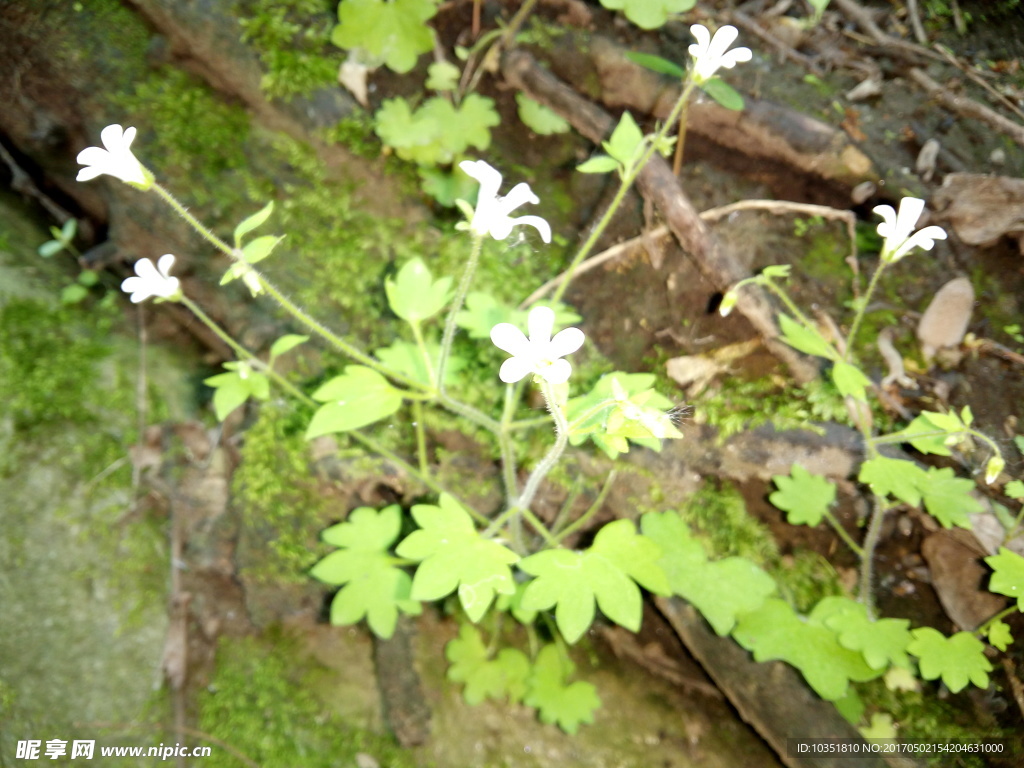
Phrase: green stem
pixel 868 553
pixel 677 164
pixel 365 440
pixel 554 453
pixel 417 334
pixel 841 532
pixel 862 309
pixel 627 181
pixel 983 629
pixel 421 437
pixel 193 222
pixel 332 338
pixel 508 454
pixel 591 510
pixel 460 297
pixel 538 524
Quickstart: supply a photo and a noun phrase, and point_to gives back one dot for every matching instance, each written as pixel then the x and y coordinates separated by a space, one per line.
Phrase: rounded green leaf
pixel 358 397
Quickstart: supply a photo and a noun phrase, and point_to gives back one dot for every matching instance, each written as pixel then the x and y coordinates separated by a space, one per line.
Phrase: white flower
pixel 152 281
pixel 898 230
pixel 116 160
pixel 491 216
pixel 540 354
pixel 709 55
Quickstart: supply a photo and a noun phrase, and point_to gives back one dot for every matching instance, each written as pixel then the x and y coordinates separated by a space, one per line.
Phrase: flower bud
pixel 993 468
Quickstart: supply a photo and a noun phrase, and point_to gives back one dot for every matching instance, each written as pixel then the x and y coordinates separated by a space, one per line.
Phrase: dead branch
pixel 712 214
pixel 966 107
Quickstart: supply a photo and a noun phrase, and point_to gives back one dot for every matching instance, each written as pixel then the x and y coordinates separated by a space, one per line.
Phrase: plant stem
pixel 333 339
pixel 862 309
pixel 841 532
pixel 591 510
pixel 508 454
pixel 627 181
pixel 421 437
pixel 554 453
pixel 365 440
pixel 868 554
pixel 460 297
pixel 417 334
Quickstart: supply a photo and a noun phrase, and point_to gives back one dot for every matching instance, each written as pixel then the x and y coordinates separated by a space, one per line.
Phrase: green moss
pixel 718 514
pixel 262 703
pixel 806 579
pixel 293 41
pixel 277 496
pixel 741 405
pixel 198 142
pixel 356 133
pixel 48 363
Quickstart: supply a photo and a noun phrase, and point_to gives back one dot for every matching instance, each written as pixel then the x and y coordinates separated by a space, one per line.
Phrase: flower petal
pixel 514 369
pixel 566 341
pixel 519 195
pixel 703 35
pixel 911 209
pixel 887 228
pixel 724 37
pixel 488 176
pixel 508 338
pixel 136 286
pixel 165 263
pixel 537 223
pixel 540 321
pixel 557 373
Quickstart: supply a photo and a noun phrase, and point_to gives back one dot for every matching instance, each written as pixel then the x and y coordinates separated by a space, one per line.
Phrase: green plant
pixel 496 561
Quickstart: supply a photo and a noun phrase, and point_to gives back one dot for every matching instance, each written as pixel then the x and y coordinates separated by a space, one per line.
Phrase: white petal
pixel 566 342
pixel 113 137
pixel 924 239
pixel 735 56
pixel 724 37
pixel 540 321
pixel 520 195
pixel 88 173
pixel 557 373
pixel 136 286
pixel 514 369
pixel 888 213
pixel 144 269
pixel 508 338
pixel 164 265
pixel 910 211
pixel 486 174
pixel 703 36
pixel 536 222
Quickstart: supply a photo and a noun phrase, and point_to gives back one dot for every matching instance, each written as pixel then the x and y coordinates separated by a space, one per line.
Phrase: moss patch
pixel 262 704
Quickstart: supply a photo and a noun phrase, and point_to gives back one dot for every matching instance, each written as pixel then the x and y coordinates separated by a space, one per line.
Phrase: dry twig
pixel 712 214
pixel 966 107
